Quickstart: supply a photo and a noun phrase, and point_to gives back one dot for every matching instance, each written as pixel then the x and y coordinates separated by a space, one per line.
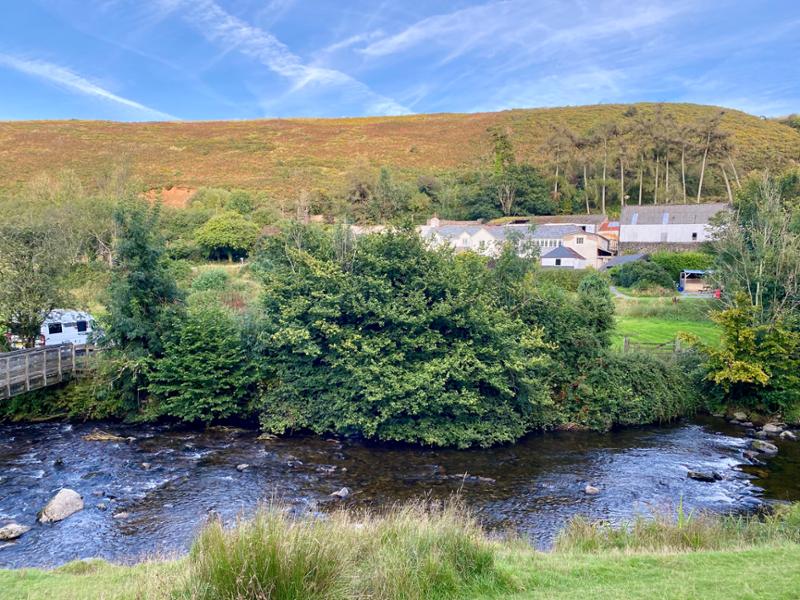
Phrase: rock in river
pixel 65 503
pixel 764 447
pixel 788 435
pixel 591 490
pixel 702 476
pixel 342 493
pixel 98 435
pixel 740 416
pixel 12 531
pixel 772 429
pixel 242 467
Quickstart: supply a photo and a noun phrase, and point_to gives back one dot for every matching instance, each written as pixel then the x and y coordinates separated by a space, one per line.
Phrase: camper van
pixel 62 326
pixel 66 327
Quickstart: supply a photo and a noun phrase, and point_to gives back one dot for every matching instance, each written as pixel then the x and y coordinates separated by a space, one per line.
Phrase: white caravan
pixel 66 327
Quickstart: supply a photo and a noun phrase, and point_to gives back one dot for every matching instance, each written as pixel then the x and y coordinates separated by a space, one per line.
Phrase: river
pixel 534 487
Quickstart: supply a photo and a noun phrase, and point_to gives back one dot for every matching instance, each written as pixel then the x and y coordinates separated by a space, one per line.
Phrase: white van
pixel 66 327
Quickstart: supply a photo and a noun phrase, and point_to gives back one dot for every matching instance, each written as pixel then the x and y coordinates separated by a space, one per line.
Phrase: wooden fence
pixel 25 370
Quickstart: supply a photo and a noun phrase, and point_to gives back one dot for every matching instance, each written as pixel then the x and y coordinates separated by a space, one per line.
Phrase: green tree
pixel 34 262
pixel 240 202
pixel 758 252
pixel 394 342
pixel 205 372
pixel 756 365
pixel 227 235
pixel 143 299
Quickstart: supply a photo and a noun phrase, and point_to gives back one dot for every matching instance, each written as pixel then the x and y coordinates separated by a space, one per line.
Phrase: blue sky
pixel 235 59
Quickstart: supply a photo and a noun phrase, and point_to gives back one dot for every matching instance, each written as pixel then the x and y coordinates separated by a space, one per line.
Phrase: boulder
pixel 702 476
pixel 242 467
pixel 772 429
pixel 98 435
pixel 591 490
pixel 740 416
pixel 745 424
pixel 121 515
pixel 765 447
pixel 12 531
pixel 146 466
pixel 341 494
pixel 752 456
pixel 788 435
pixel 761 434
pixel 65 503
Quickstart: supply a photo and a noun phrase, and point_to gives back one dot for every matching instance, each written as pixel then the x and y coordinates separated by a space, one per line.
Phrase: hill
pixel 283 156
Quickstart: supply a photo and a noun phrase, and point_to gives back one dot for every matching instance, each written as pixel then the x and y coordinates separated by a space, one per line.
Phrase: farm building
pixel 565 258
pixel 668 223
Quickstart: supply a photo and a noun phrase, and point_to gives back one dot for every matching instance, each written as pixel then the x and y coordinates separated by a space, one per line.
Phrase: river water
pixel 533 487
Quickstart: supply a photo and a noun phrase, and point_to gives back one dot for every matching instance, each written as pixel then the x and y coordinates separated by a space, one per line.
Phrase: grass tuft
pixel 682 532
pixel 412 552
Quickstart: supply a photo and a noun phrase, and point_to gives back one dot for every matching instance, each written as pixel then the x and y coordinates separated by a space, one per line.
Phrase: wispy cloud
pixel 223 28
pixel 70 80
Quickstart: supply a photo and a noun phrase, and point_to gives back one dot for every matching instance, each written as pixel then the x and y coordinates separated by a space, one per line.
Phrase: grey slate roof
pixel 624 259
pixel 563 252
pixel 555 231
pixel 671 214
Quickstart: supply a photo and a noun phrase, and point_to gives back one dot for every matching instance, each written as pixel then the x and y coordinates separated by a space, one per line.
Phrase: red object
pixel 717 294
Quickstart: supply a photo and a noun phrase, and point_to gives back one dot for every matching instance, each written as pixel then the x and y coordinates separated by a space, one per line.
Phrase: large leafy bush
pixel 393 341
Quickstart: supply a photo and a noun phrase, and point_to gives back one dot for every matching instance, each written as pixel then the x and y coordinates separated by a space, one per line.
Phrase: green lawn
pixel 656 330
pixel 769 573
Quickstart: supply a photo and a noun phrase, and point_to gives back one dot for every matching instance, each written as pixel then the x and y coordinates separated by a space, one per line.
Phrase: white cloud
pixel 70 80
pixel 227 30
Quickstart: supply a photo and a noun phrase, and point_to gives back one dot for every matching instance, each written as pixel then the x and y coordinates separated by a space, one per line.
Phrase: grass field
pixel 652 330
pixel 762 573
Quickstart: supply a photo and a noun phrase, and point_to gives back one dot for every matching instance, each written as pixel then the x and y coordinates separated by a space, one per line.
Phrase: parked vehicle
pixel 63 326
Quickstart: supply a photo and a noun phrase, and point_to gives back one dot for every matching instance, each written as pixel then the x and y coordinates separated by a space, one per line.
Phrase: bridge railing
pixel 34 368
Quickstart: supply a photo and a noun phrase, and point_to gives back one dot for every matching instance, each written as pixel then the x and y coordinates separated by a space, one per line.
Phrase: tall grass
pixel 682 532
pixel 665 309
pixel 412 552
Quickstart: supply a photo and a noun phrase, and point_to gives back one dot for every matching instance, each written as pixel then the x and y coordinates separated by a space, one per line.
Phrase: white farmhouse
pixel 668 223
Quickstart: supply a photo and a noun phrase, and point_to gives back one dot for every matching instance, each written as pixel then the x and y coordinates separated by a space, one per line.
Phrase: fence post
pixel 27 372
pixel 60 374
pixel 8 376
pixel 625 344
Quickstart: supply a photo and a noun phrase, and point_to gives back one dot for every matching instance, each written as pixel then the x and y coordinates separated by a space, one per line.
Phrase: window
pixel 82 326
pixel 558 262
pixel 579 240
pixel 53 328
pixel 694 236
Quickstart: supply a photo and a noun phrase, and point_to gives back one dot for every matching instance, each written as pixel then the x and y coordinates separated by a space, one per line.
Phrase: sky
pixel 145 60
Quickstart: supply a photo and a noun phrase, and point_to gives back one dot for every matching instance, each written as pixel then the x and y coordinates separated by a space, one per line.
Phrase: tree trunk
pixel 621 183
pixel 555 186
pixel 586 189
pixel 641 178
pixel 655 185
pixel 605 164
pixel 727 184
pixel 735 172
pixel 683 171
pixel 703 169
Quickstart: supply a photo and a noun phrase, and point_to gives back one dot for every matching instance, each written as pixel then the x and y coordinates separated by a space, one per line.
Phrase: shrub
pixel 394 342
pixel 566 279
pixel 675 262
pixel 182 249
pixel 213 279
pixel 205 372
pixel 643 274
pixel 628 389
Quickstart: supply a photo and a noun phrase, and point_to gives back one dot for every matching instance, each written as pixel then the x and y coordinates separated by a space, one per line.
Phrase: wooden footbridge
pixel 34 368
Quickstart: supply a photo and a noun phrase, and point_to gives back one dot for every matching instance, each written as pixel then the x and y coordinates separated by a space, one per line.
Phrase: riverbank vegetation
pixel 382 337
pixel 420 552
